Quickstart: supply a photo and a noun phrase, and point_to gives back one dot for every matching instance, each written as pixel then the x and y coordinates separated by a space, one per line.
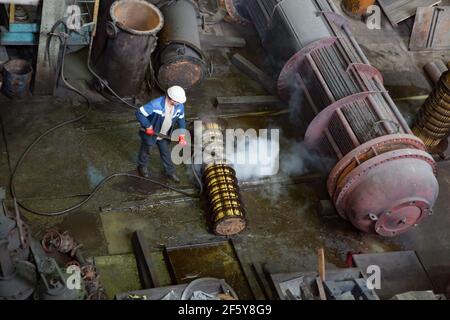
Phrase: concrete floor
pixel 283 218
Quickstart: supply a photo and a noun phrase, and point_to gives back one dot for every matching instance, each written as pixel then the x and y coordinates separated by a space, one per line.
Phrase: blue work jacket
pixel 152 115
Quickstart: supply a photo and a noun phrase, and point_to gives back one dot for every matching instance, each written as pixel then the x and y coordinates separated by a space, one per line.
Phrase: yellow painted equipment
pixel 432 123
pixel 221 185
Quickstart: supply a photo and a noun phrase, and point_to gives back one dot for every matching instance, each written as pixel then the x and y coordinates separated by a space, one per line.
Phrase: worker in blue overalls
pixel 160 116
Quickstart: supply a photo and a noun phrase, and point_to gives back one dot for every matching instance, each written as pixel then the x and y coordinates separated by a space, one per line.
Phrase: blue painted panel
pixel 24 27
pixel 12 38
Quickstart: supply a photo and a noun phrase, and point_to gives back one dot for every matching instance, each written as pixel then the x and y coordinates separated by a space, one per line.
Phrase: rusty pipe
pixel 180 58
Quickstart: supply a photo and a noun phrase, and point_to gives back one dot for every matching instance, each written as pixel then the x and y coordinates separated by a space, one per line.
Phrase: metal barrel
pixel 131 40
pixel 356 8
pixel 180 58
pixel 381 177
pixel 17 75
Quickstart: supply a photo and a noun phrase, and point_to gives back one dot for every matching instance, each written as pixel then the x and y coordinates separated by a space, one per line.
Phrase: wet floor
pixel 285 228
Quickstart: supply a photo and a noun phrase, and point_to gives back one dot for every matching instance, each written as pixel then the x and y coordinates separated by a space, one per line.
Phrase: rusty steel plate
pixel 400 10
pixel 431 29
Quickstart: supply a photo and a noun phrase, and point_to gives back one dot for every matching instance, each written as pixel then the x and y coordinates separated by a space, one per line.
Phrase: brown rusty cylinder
pixel 434 70
pixel 356 8
pixel 17 75
pixel 131 41
pixel 432 123
pixel 180 59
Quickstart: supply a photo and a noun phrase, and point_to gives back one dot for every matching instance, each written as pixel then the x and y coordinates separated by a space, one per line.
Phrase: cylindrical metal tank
pixel 129 45
pixel 381 178
pixel 180 59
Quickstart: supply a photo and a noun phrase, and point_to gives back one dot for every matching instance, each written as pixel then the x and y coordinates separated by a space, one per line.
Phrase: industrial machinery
pixel 180 58
pixel 432 123
pixel 381 177
pixel 228 215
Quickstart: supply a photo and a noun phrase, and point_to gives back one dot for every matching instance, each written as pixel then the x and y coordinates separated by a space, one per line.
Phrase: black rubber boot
pixel 143 171
pixel 173 177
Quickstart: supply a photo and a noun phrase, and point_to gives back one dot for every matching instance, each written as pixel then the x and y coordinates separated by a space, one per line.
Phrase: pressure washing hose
pixel 47 132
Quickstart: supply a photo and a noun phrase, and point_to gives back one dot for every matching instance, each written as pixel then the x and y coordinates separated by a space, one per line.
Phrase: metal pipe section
pixel 180 58
pixel 434 70
pixel 228 215
pixel 381 179
pixel 432 123
pixel 130 43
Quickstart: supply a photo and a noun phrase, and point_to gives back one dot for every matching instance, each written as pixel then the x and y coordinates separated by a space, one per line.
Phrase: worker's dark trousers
pixel 164 151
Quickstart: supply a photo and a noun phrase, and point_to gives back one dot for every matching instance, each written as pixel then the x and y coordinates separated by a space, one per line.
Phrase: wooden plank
pixel 400 10
pixel 12 13
pixel 215 41
pixel 321 289
pixel 431 29
pixel 321 264
pixel 254 73
pixel 246 102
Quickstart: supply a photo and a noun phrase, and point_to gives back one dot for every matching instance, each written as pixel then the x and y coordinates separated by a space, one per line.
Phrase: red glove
pixel 182 140
pixel 149 131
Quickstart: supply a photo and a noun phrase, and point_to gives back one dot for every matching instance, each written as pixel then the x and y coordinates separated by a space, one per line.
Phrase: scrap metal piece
pixel 53 241
pixel 435 70
pixel 431 29
pixel 400 10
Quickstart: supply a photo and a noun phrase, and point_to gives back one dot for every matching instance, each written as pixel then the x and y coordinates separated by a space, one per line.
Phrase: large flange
pixel 389 193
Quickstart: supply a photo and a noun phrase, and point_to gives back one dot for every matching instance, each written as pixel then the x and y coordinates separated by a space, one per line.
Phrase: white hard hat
pixel 177 94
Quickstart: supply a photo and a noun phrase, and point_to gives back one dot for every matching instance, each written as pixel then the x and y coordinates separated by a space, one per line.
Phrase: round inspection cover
pixel 390 193
pixel 186 73
pixel 401 218
pixel 230 226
